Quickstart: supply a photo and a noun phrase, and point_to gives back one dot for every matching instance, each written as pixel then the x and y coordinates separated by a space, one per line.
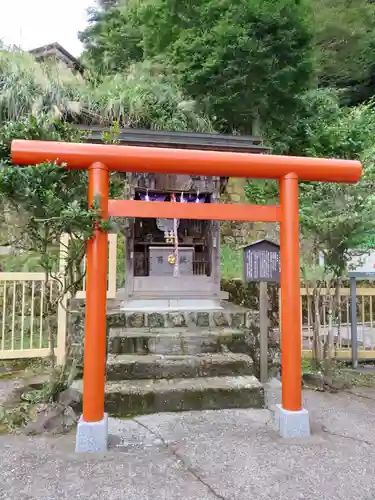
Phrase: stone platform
pixel 177 304
pixel 228 315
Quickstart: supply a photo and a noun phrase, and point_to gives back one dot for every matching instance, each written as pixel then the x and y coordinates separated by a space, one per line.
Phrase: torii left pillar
pixel 92 429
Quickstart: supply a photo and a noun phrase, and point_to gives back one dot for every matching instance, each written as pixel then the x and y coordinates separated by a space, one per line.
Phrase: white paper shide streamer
pixel 176 266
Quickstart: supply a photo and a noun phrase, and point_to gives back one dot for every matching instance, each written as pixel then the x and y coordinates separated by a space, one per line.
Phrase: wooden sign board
pixel 362 266
pixel 262 261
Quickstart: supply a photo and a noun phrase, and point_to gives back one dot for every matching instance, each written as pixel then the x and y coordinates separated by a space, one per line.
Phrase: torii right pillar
pixel 291 418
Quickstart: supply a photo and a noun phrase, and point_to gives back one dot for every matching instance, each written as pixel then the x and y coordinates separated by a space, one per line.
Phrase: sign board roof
pixel 362 266
pixel 262 261
pixel 258 243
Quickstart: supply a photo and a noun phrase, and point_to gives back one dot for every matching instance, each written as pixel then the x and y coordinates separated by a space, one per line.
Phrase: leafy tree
pixel 34 128
pixel 337 217
pixel 333 217
pixel 110 27
pixel 40 204
pixel 344 38
pixel 323 127
pixel 243 61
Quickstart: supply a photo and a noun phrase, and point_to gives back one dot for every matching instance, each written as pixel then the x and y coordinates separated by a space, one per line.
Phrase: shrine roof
pixel 179 140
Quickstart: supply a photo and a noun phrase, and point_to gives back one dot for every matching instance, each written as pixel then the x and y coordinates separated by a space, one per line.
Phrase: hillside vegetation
pixel 300 73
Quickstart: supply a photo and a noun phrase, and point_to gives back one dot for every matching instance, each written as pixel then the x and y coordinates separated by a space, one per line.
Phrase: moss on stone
pixel 115 320
pixel 176 319
pixel 156 320
pixel 10 375
pixel 203 319
pixel 153 397
pixel 135 320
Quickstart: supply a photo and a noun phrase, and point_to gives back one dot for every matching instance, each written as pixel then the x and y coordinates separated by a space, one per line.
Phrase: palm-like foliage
pixel 142 97
pixel 30 88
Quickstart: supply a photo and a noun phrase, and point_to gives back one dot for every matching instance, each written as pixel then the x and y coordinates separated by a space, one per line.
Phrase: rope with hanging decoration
pixel 175 257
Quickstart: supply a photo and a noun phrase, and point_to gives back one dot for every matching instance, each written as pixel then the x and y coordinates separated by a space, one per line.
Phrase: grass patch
pixel 307 366
pixel 10 375
pixel 343 375
pixel 23 367
pixel 360 379
pixel 231 262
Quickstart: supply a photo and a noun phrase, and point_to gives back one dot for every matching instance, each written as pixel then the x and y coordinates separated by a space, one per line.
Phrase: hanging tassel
pixel 176 268
pixel 147 198
pixel 197 200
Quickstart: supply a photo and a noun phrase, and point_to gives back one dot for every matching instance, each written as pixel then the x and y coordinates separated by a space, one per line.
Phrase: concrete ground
pixel 226 455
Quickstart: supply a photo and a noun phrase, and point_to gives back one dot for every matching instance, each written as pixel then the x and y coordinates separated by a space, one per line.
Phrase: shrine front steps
pixel 152 370
pixel 177 361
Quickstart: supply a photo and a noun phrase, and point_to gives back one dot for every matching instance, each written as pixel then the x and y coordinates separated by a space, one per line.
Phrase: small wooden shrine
pixel 173 263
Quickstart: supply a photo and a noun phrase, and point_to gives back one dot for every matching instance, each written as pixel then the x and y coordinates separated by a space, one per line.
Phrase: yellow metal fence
pixel 24 331
pixel 22 326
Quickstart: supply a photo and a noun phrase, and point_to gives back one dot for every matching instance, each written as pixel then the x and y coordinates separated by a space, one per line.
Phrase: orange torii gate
pixel 99 160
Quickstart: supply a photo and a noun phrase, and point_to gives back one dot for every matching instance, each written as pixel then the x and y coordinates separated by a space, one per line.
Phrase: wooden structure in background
pixel 54 51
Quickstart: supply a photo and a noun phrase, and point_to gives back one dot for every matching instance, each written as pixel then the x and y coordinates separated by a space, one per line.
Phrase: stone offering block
pixel 159 265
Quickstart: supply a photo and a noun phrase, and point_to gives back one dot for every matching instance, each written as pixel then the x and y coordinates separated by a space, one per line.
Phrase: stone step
pixel 155 366
pixel 233 318
pixel 167 395
pixel 181 341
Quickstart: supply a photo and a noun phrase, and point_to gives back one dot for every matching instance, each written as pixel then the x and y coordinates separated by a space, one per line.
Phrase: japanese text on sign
pixel 262 262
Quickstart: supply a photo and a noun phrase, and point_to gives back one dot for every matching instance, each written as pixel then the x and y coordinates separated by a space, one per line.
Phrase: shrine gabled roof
pixel 179 140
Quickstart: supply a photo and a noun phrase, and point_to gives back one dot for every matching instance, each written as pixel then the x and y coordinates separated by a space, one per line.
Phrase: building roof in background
pixel 55 50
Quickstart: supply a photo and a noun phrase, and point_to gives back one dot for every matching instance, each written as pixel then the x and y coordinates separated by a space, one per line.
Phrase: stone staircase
pixel 178 361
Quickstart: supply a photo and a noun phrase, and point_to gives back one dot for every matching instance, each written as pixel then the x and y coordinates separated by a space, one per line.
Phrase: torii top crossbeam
pixel 182 161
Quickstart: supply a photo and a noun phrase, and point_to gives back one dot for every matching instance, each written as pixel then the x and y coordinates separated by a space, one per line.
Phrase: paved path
pixel 225 455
